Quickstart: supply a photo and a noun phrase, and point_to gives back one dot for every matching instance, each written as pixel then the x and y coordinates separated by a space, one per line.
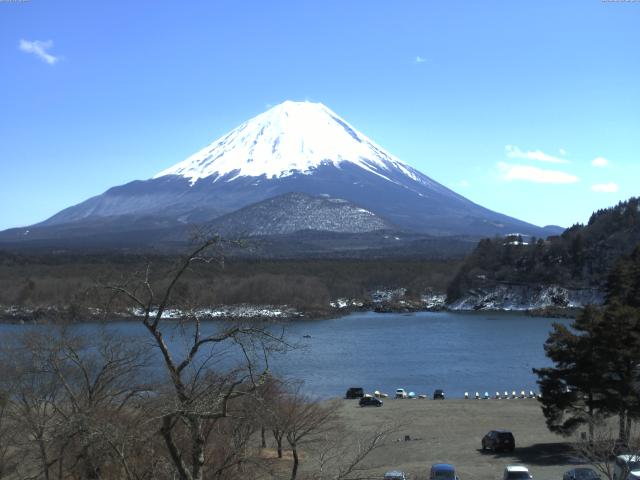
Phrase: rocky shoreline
pixel 15 314
pixel 552 299
pixel 542 301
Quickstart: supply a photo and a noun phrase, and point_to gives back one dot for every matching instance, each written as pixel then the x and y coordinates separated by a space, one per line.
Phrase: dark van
pixel 499 440
pixel 438 394
pixel 354 392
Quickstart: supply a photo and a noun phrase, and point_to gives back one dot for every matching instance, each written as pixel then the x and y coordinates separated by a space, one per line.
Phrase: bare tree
pixel 231 441
pixel 268 396
pixel 342 456
pixel 31 397
pixel 301 420
pixel 202 387
pixel 75 405
pixel 603 445
pixel 7 456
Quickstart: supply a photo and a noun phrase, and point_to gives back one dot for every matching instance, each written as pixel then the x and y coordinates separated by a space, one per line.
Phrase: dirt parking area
pixel 451 431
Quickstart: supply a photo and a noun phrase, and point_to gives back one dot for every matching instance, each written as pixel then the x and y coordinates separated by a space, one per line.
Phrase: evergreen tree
pixel 571 396
pixel 597 360
pixel 617 341
pixel 623 284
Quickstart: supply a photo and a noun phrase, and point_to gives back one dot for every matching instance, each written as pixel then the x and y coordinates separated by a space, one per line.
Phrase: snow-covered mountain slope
pixel 293 147
pixel 293 137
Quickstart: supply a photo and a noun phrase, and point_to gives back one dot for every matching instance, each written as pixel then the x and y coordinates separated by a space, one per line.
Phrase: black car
pixel 581 474
pixel 355 392
pixel 499 440
pixel 370 402
pixel 438 394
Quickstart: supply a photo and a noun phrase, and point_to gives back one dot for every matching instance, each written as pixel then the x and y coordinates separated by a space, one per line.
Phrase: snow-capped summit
pixel 292 137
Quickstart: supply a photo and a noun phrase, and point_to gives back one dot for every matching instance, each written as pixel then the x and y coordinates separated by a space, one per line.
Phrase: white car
pixel 401 393
pixel 626 467
pixel 395 475
pixel 516 472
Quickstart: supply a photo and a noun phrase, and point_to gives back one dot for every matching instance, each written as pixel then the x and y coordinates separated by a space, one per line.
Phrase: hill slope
pixel 578 260
pixel 294 212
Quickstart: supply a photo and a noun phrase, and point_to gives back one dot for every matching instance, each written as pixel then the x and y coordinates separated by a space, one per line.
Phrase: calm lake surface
pixel 420 352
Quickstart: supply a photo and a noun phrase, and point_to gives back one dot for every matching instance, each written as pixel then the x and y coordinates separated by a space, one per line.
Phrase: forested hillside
pixel 579 258
pixel 67 281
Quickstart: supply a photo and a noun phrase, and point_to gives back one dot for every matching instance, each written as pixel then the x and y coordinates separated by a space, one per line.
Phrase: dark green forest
pixel 69 281
pixel 581 257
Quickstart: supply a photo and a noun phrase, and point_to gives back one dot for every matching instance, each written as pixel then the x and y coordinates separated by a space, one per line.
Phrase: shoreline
pixel 255 313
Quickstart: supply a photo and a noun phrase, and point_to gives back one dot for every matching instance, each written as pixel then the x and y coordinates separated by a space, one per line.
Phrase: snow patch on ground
pixel 387 295
pixel 341 303
pixel 228 311
pixel 434 301
pixel 524 297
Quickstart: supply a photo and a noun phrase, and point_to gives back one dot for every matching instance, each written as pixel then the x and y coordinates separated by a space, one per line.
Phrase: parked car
pixel 395 475
pixel 438 394
pixel 370 402
pixel 443 471
pixel 516 472
pixel 626 465
pixel 497 440
pixel 355 392
pixel 401 393
pixel 581 474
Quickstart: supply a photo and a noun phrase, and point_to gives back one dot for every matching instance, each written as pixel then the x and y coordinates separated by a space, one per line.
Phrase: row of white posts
pixel 506 396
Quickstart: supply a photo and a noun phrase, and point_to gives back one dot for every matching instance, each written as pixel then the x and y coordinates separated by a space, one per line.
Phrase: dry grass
pixel 451 431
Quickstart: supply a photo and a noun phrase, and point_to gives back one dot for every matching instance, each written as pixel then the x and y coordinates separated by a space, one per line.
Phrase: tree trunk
pixel 591 426
pixel 91 472
pixel 197 448
pixel 43 457
pixel 174 452
pixel 278 438
pixel 296 461
pixel 622 423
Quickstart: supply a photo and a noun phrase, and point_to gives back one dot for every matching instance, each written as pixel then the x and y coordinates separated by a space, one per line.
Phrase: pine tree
pixel 596 369
pixel 571 396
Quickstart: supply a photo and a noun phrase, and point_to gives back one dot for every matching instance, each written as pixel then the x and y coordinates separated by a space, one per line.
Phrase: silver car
pixel 395 475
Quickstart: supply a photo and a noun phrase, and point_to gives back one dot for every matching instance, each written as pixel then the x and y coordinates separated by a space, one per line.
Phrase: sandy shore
pixel 451 430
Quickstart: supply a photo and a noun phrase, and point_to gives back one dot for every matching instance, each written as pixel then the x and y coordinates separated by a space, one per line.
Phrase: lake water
pixel 420 352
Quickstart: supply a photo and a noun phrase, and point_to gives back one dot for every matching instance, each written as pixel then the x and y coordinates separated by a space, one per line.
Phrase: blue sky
pixel 528 108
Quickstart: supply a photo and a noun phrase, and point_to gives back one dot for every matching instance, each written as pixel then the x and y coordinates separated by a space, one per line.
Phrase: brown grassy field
pixel 451 431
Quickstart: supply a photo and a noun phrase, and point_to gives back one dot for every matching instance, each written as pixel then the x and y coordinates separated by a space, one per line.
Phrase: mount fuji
pixel 295 147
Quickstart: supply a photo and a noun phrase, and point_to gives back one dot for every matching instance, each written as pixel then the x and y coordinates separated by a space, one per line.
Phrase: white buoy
pixel 466 395
pixel 531 394
pixel 486 395
pixel 523 394
pixel 513 394
pixel 477 395
pixel 506 395
pixel 497 395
